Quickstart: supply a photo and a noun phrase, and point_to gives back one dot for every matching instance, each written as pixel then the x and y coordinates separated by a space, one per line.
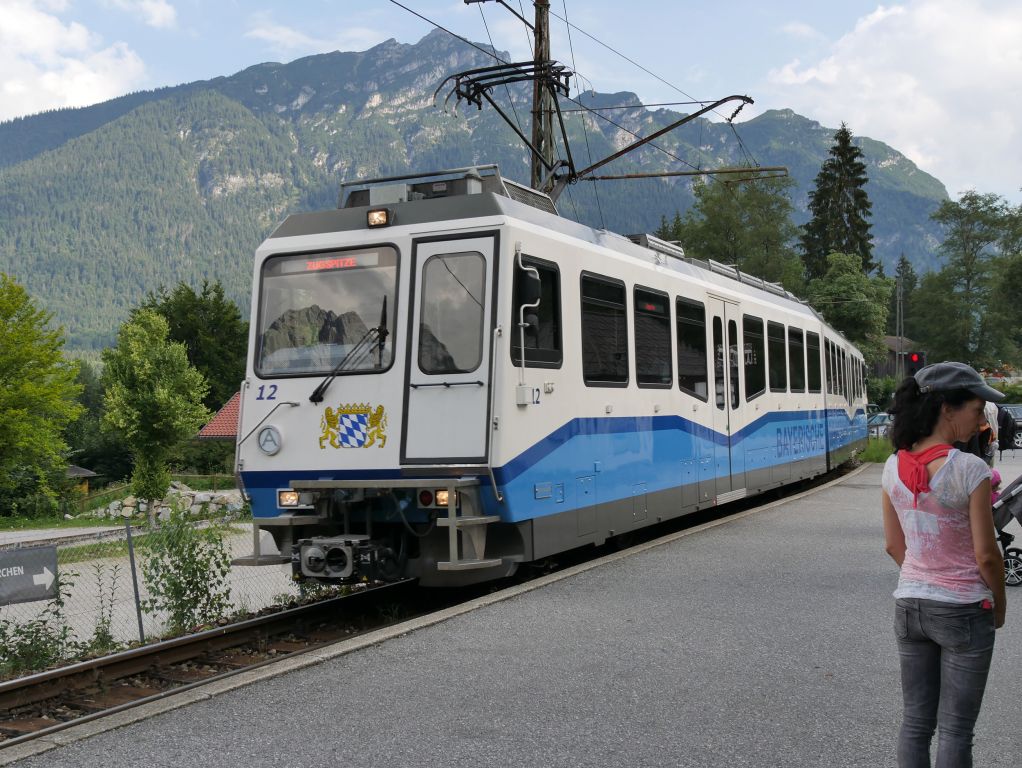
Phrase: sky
pixel 938 80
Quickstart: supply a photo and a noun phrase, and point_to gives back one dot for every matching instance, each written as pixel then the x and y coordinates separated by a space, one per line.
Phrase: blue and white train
pixel 389 428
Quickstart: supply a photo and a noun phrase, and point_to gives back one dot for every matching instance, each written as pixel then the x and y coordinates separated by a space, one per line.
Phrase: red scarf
pixel 912 468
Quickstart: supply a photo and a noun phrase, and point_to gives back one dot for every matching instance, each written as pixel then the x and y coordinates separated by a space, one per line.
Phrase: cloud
pixel 800 30
pixel 153 13
pixel 46 63
pixel 940 80
pixel 288 42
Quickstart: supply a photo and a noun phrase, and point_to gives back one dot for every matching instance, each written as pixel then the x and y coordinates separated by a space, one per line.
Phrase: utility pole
pixel 542 98
pixel 899 329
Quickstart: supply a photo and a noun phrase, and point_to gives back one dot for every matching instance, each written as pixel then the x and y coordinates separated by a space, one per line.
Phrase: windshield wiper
pixel 362 349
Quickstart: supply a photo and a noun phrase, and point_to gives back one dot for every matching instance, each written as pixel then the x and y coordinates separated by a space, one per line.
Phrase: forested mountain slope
pixel 101 205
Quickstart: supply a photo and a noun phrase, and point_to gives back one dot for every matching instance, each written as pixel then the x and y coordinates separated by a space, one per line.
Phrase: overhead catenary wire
pixel 507 88
pixel 492 54
pixel 585 131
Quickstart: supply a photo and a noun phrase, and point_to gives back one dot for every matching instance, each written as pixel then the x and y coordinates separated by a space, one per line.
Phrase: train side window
pixel 691 328
pixel 543 335
pixel 718 362
pixel 732 335
pixel 453 301
pixel 755 359
pixel 604 332
pixel 653 361
pixel 796 360
pixel 778 366
pixel 829 364
pixel 846 390
pixel 813 361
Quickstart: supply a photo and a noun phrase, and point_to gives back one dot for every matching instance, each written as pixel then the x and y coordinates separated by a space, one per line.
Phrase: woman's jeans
pixel 945 654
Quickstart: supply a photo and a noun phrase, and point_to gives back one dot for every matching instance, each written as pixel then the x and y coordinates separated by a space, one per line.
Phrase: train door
pixel 724 330
pixel 450 320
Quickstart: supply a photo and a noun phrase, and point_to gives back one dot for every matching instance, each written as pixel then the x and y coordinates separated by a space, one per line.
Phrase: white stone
pixel 203 498
pixel 195 509
pixel 130 501
pixel 115 506
pixel 127 512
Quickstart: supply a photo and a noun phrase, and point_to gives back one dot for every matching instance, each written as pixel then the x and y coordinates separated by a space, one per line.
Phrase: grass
pixel 97 550
pixel 877 451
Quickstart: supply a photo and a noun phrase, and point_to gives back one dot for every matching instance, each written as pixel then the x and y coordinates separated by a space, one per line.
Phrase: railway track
pixel 44 703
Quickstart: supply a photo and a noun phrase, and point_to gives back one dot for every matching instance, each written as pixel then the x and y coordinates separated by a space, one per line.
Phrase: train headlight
pixel 315 559
pixel 288 498
pixel 378 218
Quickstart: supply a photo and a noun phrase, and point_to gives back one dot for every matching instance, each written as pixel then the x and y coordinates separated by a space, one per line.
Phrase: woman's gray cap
pixel 942 377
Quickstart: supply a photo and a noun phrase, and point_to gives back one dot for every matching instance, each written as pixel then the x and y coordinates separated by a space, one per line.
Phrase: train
pixel 447 379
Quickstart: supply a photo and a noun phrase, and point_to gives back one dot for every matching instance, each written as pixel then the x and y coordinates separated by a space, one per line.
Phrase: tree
pixel 974 225
pixel 747 225
pixel 90 445
pixel 152 398
pixel 906 273
pixel 213 332
pixel 839 209
pixel 854 303
pixel 37 396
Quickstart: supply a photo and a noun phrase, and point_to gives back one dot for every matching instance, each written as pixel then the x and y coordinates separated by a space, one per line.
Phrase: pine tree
pixel 839 208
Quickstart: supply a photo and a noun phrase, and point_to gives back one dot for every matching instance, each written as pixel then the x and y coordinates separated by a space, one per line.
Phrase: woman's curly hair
pixel 915 413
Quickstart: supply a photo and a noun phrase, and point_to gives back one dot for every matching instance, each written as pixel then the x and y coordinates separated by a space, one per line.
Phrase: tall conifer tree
pixel 839 209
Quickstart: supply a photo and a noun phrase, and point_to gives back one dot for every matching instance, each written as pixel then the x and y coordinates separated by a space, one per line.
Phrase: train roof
pixel 480 191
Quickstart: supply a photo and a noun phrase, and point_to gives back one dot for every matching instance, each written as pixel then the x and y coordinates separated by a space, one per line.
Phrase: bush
pixel 185 569
pixel 43 642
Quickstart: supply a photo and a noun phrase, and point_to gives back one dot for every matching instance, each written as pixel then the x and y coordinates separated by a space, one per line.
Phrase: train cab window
pixel 451 312
pixel 653 361
pixel 327 312
pixel 691 329
pixel 778 366
pixel 755 358
pixel 604 332
pixel 543 334
pixel 796 360
pixel 813 377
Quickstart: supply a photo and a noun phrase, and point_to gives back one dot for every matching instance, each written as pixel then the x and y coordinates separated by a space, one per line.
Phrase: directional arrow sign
pixel 28 574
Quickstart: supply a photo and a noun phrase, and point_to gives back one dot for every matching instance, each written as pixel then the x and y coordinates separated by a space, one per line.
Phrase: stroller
pixel 1008 506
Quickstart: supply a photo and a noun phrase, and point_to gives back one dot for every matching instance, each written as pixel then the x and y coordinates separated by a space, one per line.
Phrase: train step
pixel 445 522
pixel 468 565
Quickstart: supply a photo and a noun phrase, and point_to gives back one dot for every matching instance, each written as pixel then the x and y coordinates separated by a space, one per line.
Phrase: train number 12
pixel 270 393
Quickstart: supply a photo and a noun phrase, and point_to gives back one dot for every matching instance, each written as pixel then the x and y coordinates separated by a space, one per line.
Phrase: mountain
pixel 103 204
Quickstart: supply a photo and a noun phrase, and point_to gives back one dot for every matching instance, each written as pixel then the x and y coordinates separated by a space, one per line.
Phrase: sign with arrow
pixel 27 575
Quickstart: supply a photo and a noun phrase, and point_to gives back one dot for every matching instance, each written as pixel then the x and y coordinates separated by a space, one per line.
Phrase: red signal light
pixel 914 357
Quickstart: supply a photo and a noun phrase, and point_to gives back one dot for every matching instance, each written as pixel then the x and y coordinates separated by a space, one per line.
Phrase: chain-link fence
pixel 137 580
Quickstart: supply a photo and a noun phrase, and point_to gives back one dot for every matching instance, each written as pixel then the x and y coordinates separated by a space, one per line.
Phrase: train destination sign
pixel 27 575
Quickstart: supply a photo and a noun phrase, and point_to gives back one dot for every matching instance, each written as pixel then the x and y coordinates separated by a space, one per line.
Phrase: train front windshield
pixel 325 311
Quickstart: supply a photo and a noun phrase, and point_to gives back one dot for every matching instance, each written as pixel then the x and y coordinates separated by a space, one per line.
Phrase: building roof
pixel 907 345
pixel 223 426
pixel 76 471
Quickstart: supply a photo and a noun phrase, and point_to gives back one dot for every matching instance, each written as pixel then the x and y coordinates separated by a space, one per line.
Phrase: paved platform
pixel 762 641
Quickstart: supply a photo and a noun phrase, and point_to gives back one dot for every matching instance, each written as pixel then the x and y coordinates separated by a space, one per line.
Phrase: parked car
pixel 1015 409
pixel 878 424
pixel 871 409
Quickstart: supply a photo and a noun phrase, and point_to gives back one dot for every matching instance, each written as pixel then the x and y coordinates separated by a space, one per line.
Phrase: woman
pixel 940 531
